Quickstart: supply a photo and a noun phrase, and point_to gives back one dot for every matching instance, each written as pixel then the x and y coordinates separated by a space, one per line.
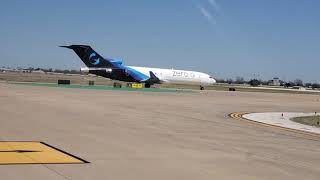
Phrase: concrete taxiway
pixel 157 135
pixel 283 119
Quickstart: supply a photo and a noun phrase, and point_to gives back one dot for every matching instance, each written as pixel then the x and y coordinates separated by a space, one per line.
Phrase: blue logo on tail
pixel 94 61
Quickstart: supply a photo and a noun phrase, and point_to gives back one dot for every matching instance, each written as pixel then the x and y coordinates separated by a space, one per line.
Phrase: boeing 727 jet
pixel 116 70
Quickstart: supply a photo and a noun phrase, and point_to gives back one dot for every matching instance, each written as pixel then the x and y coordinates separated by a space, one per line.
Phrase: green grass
pixel 100 87
pixel 308 120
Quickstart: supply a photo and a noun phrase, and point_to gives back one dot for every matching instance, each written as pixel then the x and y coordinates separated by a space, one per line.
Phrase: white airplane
pixel 114 69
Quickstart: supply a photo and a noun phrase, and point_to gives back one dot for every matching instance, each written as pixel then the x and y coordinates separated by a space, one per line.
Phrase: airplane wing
pixel 153 78
pixel 140 77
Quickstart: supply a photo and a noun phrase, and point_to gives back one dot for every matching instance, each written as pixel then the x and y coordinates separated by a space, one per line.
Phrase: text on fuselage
pixel 183 74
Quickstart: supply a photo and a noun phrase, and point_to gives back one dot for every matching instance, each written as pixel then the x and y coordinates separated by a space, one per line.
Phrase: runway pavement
pixel 157 135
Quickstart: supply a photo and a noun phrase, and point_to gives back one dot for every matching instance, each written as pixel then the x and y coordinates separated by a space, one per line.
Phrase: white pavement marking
pixel 276 119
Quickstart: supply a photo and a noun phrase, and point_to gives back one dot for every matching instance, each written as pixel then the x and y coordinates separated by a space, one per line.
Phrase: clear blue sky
pixel 226 38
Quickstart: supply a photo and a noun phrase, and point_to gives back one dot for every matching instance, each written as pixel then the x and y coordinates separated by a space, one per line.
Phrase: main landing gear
pixel 201 88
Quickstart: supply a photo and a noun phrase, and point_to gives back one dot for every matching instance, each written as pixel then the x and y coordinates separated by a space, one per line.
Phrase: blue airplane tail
pixel 89 56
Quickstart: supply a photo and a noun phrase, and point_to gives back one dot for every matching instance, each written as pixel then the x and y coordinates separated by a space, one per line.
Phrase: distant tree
pixel 298 82
pixel 66 71
pixel 74 71
pixel 46 70
pixel 58 71
pixel 289 84
pixel 308 85
pixel 229 81
pixel 282 83
pixel 220 80
pixel 254 82
pixel 239 80
pixel 263 82
pixel 315 85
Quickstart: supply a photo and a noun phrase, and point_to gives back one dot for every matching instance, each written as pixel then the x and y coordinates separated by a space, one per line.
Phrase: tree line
pixel 258 82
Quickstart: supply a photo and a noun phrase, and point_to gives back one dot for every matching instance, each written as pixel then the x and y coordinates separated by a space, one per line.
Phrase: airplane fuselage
pixel 178 76
pixel 165 75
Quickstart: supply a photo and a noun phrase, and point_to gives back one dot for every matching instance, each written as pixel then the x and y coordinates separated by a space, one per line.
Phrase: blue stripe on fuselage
pixel 136 74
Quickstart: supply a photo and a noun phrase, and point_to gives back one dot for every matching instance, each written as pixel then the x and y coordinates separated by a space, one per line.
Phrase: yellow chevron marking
pixel 34 153
pixel 237 115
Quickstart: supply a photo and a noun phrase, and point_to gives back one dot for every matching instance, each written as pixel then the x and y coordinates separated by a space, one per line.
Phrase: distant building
pixel 299 88
pixel 38 71
pixel 274 82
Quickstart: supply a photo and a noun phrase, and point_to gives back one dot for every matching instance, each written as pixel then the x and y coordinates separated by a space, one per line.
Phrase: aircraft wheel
pixel 147 85
pixel 201 88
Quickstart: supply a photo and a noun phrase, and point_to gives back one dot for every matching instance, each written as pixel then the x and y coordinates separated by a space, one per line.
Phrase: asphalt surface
pixel 157 135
